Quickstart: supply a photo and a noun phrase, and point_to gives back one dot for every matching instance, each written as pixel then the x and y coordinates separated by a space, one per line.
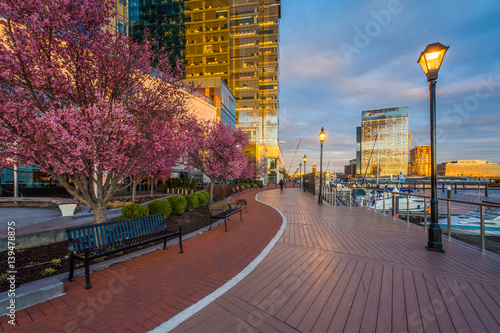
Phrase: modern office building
pixel 234 40
pixel 475 168
pixel 216 90
pixel 420 161
pixel 384 137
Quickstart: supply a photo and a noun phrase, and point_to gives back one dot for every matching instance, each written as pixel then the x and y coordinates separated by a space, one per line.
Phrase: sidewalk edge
pixel 193 309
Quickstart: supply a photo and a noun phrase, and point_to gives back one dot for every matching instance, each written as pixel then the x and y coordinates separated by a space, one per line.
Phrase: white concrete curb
pixel 193 309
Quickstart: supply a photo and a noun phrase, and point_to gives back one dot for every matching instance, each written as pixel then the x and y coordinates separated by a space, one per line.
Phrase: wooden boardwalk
pixel 341 269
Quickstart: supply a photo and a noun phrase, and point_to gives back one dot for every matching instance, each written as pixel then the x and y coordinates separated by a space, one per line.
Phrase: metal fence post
pixel 425 214
pixel 408 208
pixel 483 233
pixel 448 212
pixel 383 203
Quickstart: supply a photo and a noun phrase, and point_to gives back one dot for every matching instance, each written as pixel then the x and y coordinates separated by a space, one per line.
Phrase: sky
pixel 338 58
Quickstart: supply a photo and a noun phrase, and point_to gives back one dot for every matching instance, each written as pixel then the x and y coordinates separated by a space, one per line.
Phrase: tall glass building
pixel 391 147
pixel 358 150
pixel 235 40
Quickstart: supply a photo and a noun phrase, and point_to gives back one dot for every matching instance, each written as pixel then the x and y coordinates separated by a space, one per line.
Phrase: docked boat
pixel 415 204
pixel 472 220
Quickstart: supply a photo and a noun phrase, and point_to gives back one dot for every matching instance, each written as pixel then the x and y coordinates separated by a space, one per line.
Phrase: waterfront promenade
pixel 334 269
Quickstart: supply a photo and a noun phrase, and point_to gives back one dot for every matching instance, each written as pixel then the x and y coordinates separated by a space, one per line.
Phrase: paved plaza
pixel 323 269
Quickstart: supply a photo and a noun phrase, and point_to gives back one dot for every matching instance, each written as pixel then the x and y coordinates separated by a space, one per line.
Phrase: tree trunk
pixel 134 184
pixel 212 185
pixel 151 182
pixel 100 213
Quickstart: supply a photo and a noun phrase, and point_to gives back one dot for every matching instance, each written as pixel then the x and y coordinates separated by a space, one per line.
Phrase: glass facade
pixel 358 150
pixel 391 127
pixel 420 161
pixel 224 100
pixel 164 20
pixel 254 27
pixel 235 40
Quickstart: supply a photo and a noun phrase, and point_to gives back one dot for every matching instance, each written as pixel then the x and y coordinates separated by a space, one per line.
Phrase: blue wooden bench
pixel 97 240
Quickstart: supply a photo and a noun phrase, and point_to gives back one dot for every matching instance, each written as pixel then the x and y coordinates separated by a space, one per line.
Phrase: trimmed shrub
pixel 178 204
pixel 133 210
pixel 192 201
pixel 203 197
pixel 160 207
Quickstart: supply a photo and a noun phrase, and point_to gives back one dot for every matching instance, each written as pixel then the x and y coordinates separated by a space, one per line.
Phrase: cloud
pixel 319 87
pixel 304 66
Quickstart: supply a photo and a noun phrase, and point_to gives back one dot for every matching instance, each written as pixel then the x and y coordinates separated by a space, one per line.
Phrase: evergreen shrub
pixel 192 201
pixel 178 204
pixel 160 207
pixel 133 210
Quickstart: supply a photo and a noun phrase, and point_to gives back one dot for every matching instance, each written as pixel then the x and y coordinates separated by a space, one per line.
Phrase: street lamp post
pixel 430 60
pixel 300 173
pixel 322 136
pixel 305 160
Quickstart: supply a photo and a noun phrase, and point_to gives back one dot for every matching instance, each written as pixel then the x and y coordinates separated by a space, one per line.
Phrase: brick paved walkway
pixel 140 294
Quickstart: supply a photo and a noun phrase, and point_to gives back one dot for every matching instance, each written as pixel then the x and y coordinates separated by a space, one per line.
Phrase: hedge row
pixel 175 204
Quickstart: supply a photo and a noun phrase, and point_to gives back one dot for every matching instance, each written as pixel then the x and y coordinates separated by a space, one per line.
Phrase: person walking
pixel 281 184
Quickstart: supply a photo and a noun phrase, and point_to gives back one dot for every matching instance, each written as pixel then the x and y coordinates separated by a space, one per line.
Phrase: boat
pixel 472 220
pixel 415 204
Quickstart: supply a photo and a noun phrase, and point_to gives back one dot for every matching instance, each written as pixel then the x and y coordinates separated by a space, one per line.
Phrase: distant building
pixel 216 90
pixel 475 168
pixel 420 161
pixel 358 150
pixel 384 136
pixel 350 169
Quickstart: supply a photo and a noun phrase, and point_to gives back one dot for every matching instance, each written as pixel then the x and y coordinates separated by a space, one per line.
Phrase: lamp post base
pixel 434 243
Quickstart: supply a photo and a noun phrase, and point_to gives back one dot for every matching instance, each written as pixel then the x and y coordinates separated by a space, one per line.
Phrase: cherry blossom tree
pixel 219 152
pixel 83 102
pixel 256 169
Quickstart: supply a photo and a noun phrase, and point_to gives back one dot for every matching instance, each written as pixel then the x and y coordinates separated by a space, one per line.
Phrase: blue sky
pixel 338 58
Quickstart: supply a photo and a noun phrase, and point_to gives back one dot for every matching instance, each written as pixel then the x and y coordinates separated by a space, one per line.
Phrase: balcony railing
pixel 477 224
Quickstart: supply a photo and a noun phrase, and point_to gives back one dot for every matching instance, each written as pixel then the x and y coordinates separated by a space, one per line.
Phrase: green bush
pixel 192 201
pixel 160 207
pixel 203 197
pixel 133 210
pixel 178 204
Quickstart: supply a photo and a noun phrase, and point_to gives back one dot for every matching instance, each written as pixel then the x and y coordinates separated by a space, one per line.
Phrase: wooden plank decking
pixel 340 269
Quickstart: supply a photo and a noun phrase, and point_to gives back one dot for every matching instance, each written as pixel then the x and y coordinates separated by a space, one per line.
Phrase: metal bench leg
pixel 225 224
pixel 71 268
pixel 180 238
pixel 241 217
pixel 87 269
pixel 210 228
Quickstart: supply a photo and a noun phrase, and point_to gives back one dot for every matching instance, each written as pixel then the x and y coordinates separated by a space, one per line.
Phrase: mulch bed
pixel 32 263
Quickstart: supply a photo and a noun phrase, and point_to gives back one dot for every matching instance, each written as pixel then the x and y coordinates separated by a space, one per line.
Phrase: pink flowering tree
pixel 219 152
pixel 256 169
pixel 83 102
